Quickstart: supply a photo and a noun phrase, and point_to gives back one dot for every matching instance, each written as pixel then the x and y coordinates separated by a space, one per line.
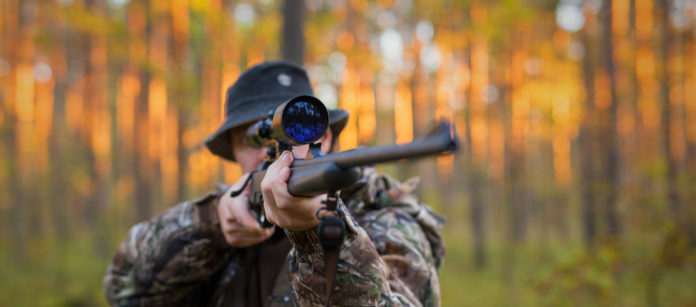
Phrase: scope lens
pixel 305 120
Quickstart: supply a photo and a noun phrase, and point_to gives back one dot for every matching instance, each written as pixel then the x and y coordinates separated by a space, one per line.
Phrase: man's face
pixel 249 157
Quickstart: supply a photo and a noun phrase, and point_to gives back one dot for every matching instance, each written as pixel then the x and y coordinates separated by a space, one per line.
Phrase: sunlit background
pixel 575 184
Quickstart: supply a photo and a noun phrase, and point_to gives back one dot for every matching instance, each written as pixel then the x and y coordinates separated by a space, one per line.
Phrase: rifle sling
pixel 331 234
pixel 330 264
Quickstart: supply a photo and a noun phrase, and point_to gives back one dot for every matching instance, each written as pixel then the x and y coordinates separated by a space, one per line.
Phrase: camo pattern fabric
pixel 169 259
pixel 390 256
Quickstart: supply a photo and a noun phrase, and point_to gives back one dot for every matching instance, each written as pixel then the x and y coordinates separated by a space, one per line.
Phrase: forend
pixel 299 120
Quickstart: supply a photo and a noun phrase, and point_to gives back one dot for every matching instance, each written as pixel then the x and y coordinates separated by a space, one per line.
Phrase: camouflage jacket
pixel 390 256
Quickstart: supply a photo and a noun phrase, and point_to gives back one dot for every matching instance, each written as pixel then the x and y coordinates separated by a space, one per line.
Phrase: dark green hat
pixel 257 92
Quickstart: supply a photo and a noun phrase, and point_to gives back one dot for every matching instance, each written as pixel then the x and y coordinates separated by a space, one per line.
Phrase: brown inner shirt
pixel 253 284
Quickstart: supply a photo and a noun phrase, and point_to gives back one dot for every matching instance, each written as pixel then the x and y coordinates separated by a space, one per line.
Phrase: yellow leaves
pixel 560 112
pixel 89 20
pixel 645 62
pixel 561 39
pixel 403 114
pixel 180 20
pixel 345 40
pixel 24 92
pixel 190 138
pixel 561 160
pixel 644 13
pixel 359 5
pixel 620 20
pixel 625 120
pixel 157 109
pixel 199 5
pixel 101 139
pixel 367 120
pixel 479 135
pixel 496 145
pixel 349 102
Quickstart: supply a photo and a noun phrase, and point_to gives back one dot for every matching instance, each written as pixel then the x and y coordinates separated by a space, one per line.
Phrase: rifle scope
pixel 300 120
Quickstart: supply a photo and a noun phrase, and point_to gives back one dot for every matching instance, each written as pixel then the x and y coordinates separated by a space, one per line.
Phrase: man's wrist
pixel 306 242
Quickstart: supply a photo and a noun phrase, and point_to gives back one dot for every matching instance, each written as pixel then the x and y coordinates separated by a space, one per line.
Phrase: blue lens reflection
pixel 304 121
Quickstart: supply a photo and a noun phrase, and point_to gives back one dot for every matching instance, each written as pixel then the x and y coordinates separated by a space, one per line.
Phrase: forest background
pixel 575 183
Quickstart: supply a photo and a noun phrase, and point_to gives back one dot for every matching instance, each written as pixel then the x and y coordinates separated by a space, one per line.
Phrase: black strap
pixel 330 264
pixel 331 234
pixel 236 193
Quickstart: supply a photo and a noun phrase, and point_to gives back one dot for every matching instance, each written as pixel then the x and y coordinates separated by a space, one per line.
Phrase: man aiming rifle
pixel 215 250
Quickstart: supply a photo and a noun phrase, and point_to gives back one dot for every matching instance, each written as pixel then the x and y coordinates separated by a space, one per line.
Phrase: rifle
pixel 303 120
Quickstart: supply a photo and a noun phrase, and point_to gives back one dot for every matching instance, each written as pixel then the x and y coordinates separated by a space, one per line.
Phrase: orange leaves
pixel 403 114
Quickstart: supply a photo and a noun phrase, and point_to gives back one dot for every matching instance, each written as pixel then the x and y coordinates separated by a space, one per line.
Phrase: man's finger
pixel 240 212
pixel 284 174
pixel 267 232
pixel 281 194
pixel 230 218
pixel 227 212
pixel 269 218
pixel 249 221
pixel 224 209
pixel 285 160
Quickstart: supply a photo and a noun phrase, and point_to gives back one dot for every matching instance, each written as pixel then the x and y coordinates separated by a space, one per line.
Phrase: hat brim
pixel 220 142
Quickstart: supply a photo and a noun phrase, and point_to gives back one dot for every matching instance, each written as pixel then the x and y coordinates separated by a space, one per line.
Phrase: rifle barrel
pixel 438 142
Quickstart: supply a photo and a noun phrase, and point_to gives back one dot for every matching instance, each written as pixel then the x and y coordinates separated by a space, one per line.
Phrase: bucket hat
pixel 258 91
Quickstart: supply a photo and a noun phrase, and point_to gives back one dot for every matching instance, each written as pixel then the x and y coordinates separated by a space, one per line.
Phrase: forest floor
pixel 562 274
pixel 525 274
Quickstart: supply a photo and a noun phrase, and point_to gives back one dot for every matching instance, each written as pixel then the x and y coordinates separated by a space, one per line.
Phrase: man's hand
pixel 238 225
pixel 287 211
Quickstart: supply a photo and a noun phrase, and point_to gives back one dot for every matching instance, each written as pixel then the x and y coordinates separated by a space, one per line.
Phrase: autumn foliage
pixel 575 185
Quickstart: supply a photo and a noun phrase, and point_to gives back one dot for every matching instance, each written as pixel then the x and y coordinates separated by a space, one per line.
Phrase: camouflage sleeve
pixel 167 259
pixel 390 256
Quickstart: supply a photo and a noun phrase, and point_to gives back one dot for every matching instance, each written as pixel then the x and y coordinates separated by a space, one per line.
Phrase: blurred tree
pixel 588 146
pixel 180 86
pixel 663 51
pixel 12 25
pixel 610 167
pixel 517 75
pixel 142 24
pixel 58 138
pixel 293 41
pixel 475 178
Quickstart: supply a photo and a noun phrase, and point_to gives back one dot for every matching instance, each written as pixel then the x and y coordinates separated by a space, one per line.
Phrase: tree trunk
pixel 586 141
pixel 474 180
pixel 684 178
pixel 293 31
pixel 662 51
pixel 92 200
pixel 610 136
pixel 514 199
pixel 10 137
pixel 142 171
pixel 181 101
pixel 60 193
pixel 181 156
pixel 633 75
pixel 16 195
